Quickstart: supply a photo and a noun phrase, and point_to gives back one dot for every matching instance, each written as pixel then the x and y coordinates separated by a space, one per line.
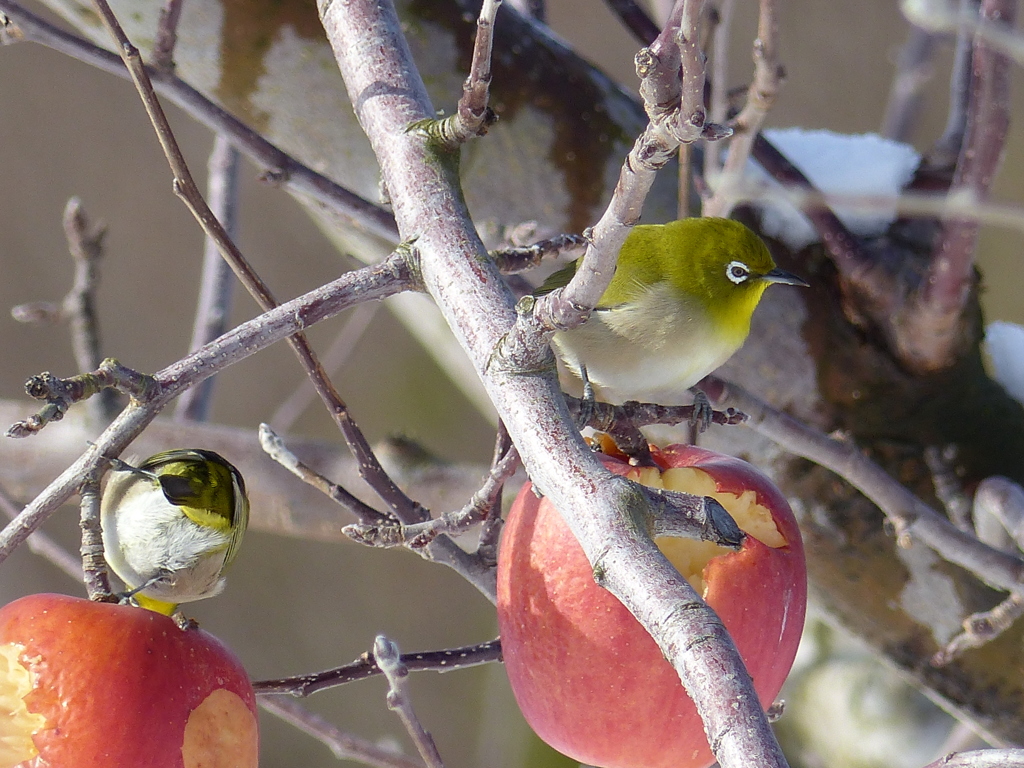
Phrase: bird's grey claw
pixel 586 402
pixel 703 413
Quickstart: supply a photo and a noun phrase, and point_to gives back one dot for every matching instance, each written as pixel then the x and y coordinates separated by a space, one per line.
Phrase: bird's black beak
pixel 786 278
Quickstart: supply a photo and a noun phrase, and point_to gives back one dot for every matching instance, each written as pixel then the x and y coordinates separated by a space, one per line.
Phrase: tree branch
pixel 913 71
pixel 365 666
pixel 439 548
pixel 97 581
pixel 399 699
pixel 388 95
pixel 373 282
pixel 933 331
pixel 910 517
pixel 761 95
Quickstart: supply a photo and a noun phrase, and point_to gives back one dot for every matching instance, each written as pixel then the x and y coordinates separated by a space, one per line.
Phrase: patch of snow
pixel 1005 345
pixel 836 163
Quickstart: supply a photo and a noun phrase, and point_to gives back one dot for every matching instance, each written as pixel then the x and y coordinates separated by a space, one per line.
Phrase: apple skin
pixel 124 686
pixel 590 681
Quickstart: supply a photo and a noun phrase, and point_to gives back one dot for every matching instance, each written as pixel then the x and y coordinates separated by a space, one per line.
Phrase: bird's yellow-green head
pixel 208 489
pixel 720 263
pixel 678 306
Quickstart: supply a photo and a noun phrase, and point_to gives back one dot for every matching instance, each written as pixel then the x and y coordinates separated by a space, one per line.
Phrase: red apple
pixel 588 678
pixel 97 685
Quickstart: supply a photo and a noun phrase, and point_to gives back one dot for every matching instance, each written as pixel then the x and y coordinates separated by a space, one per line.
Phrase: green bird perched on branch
pixel 678 306
pixel 172 525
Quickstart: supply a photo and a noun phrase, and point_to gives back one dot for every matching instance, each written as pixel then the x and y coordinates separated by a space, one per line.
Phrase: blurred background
pixel 296 606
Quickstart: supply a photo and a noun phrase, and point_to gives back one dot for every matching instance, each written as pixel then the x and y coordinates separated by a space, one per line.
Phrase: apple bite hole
pixel 220 733
pixel 588 677
pixel 690 556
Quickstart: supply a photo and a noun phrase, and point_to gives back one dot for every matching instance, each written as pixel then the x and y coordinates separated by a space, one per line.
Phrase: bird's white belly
pixel 631 358
pixel 150 537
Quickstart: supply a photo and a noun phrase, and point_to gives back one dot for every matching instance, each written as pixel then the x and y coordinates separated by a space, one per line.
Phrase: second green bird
pixel 678 306
pixel 172 525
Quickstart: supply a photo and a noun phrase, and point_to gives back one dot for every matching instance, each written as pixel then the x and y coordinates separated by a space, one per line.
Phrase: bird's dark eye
pixel 737 272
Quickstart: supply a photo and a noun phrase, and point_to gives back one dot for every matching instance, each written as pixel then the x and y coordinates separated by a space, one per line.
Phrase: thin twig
pixel 982 758
pixel 474 116
pixel 183 184
pixel 217 281
pixel 37 312
pixel 906 94
pixel 948 488
pixel 162 56
pixel 982 628
pixel 531 9
pixel 418 536
pixel 86 245
pixel 622 422
pixel 441 550
pixel 385 651
pixel 78 307
pixel 343 745
pixel 515 259
pixel 687 15
pixel 61 394
pixel 275 448
pixel 719 102
pixel 919 204
pixel 635 19
pixel 490 531
pixel 447 660
pixel 761 95
pixel 947 148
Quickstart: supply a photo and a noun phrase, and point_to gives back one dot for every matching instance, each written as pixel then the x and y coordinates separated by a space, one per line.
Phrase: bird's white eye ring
pixel 737 272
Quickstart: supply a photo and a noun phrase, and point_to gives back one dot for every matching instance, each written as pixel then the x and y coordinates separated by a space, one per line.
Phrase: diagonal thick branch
pixel 375 282
pixel 602 510
pixel 910 517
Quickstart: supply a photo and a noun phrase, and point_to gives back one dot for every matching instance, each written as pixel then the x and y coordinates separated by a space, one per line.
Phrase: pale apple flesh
pixel 589 680
pixel 18 724
pixel 690 556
